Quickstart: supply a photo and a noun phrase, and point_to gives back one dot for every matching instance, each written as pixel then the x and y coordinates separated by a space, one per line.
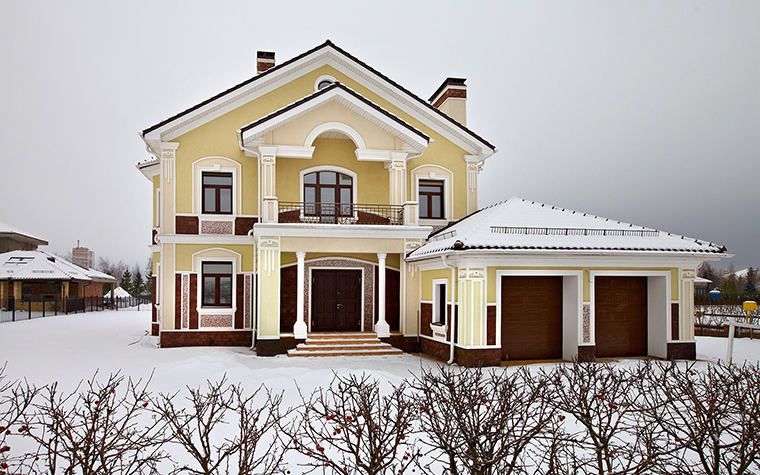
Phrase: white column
pixel 381 327
pixel 268 173
pixel 299 329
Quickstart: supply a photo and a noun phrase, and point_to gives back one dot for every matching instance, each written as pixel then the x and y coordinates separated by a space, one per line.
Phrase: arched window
pixel 327 195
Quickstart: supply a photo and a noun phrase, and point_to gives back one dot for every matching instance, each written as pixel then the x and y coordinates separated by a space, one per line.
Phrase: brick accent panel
pixel 436 349
pixel 243 225
pixel 240 301
pixel 674 330
pixel 478 357
pixel 586 353
pixel 462 93
pixel 154 329
pixel 275 347
pixel 93 289
pixel 193 301
pixel 288 289
pixel 177 301
pixel 491 325
pixel 686 350
pixel 407 344
pixel 175 339
pixel 426 317
pixel 186 224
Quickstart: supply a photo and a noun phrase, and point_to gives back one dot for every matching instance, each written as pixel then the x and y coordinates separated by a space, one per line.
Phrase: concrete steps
pixel 343 344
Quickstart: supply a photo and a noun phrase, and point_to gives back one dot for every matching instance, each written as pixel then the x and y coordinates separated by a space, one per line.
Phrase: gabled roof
pixel 41 265
pixel 517 225
pixel 6 230
pixel 326 52
pixel 340 93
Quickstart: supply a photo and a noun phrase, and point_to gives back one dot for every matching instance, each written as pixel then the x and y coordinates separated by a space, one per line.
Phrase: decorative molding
pixel 217 227
pixel 586 323
pixel 185 300
pixel 216 321
pixel 269 255
pixel 688 274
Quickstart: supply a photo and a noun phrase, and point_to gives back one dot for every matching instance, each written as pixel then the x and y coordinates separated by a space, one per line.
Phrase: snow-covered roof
pixel 702 280
pixel 41 265
pixel 118 293
pixel 10 230
pixel 518 225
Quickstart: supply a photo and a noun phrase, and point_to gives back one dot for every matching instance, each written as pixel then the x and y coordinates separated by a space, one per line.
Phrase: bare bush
pixel 100 429
pixel 349 427
pixel 481 423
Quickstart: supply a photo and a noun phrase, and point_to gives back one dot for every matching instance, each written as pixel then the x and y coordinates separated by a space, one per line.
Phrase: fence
pixel 712 319
pixel 12 310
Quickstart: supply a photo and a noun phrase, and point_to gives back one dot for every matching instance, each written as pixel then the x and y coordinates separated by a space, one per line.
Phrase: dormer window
pixel 323 84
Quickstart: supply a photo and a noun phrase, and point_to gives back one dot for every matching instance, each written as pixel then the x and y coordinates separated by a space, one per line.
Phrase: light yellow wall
pixel 427 277
pixel 372 182
pixel 218 138
pixel 344 246
pixel 185 255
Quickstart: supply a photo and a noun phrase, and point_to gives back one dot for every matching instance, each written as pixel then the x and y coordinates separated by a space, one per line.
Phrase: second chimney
pixel 264 61
pixel 451 99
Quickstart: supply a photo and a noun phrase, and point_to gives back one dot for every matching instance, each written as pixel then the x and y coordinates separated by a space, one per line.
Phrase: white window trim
pixel 237 189
pixel 447 177
pixel 198 261
pixel 440 327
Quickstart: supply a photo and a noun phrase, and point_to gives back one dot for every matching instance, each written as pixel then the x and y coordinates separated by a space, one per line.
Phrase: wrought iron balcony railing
pixel 340 213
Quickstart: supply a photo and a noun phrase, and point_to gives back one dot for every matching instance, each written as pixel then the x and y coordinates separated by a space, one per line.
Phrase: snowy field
pixel 71 348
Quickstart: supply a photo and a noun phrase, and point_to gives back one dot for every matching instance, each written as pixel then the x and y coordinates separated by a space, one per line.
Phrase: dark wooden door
pixel 531 318
pixel 336 300
pixel 621 316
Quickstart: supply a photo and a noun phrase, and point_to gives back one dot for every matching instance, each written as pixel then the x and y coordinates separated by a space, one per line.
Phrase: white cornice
pixel 149 169
pixel 341 231
pixel 203 239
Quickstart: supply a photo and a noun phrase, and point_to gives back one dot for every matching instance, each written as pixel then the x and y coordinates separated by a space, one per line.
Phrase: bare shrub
pixel 349 427
pixel 481 423
pixel 100 429
pixel 712 415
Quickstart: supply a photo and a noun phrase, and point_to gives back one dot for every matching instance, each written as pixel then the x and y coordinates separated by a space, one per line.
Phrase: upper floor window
pixel 431 199
pixel 328 194
pixel 217 284
pixel 217 193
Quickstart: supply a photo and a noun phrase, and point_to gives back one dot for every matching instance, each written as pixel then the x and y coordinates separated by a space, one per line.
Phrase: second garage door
pixel 531 318
pixel 621 316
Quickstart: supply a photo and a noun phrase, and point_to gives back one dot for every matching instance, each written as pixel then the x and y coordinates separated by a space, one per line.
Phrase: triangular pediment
pixel 338 59
pixel 338 111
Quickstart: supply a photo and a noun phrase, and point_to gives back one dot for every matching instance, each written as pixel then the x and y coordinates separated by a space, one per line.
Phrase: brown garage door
pixel 531 318
pixel 621 316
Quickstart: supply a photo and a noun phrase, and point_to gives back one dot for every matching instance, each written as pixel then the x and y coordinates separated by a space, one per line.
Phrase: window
pixel 439 303
pixel 323 84
pixel 217 193
pixel 431 199
pixel 328 194
pixel 217 284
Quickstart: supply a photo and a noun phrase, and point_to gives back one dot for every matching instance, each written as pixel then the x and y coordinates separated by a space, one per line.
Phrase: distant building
pixel 83 257
pixel 14 239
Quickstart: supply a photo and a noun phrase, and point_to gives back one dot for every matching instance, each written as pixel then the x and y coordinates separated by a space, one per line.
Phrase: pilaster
pixel 474 165
pixel 168 153
pixel 686 307
pixel 471 321
pixel 269 288
pixel 397 177
pixel 268 159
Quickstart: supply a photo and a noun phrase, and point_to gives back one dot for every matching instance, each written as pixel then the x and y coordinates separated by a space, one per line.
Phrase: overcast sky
pixel 645 112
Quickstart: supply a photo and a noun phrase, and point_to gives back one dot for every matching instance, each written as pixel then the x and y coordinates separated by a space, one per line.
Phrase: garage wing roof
pixel 521 225
pixel 41 265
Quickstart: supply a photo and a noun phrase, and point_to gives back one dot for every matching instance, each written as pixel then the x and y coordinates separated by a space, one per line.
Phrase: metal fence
pixel 12 310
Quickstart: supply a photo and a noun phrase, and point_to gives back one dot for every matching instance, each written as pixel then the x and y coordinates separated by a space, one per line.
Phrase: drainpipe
pixel 452 323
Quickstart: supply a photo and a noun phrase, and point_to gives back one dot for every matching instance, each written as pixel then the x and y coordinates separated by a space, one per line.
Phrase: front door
pixel 336 300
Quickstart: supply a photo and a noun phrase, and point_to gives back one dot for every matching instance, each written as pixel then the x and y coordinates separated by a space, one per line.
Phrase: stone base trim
pixel 436 349
pixel 586 353
pixel 175 339
pixel 407 344
pixel 276 347
pixel 476 358
pixel 686 350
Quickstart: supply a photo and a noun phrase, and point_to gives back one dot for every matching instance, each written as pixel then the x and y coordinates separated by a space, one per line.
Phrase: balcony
pixel 340 213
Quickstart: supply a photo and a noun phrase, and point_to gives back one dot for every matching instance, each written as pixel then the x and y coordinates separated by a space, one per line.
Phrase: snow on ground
pixel 71 348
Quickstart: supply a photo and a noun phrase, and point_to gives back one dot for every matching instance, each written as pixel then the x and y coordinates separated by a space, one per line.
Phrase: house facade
pixel 299 202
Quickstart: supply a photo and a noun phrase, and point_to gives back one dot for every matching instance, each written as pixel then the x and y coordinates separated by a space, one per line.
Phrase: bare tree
pixel 481 423
pixel 349 427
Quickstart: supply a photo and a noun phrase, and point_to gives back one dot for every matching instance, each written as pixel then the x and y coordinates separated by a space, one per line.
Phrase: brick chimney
pixel 451 99
pixel 264 61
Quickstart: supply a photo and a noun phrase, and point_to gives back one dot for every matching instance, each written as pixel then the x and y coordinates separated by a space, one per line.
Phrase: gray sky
pixel 646 112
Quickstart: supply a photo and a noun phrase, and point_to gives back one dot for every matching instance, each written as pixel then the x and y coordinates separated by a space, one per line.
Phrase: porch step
pixel 343 344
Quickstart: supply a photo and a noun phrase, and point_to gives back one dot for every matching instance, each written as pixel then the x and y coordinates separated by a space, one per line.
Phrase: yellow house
pixel 295 205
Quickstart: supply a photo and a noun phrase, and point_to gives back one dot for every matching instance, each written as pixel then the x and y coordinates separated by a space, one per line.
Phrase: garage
pixel 621 316
pixel 531 317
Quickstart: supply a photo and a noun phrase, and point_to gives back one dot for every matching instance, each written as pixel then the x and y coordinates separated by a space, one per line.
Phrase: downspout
pixel 453 313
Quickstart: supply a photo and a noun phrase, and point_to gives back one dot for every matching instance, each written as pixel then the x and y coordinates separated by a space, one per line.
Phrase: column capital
pixel 300 254
pixel 269 151
pixel 382 255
